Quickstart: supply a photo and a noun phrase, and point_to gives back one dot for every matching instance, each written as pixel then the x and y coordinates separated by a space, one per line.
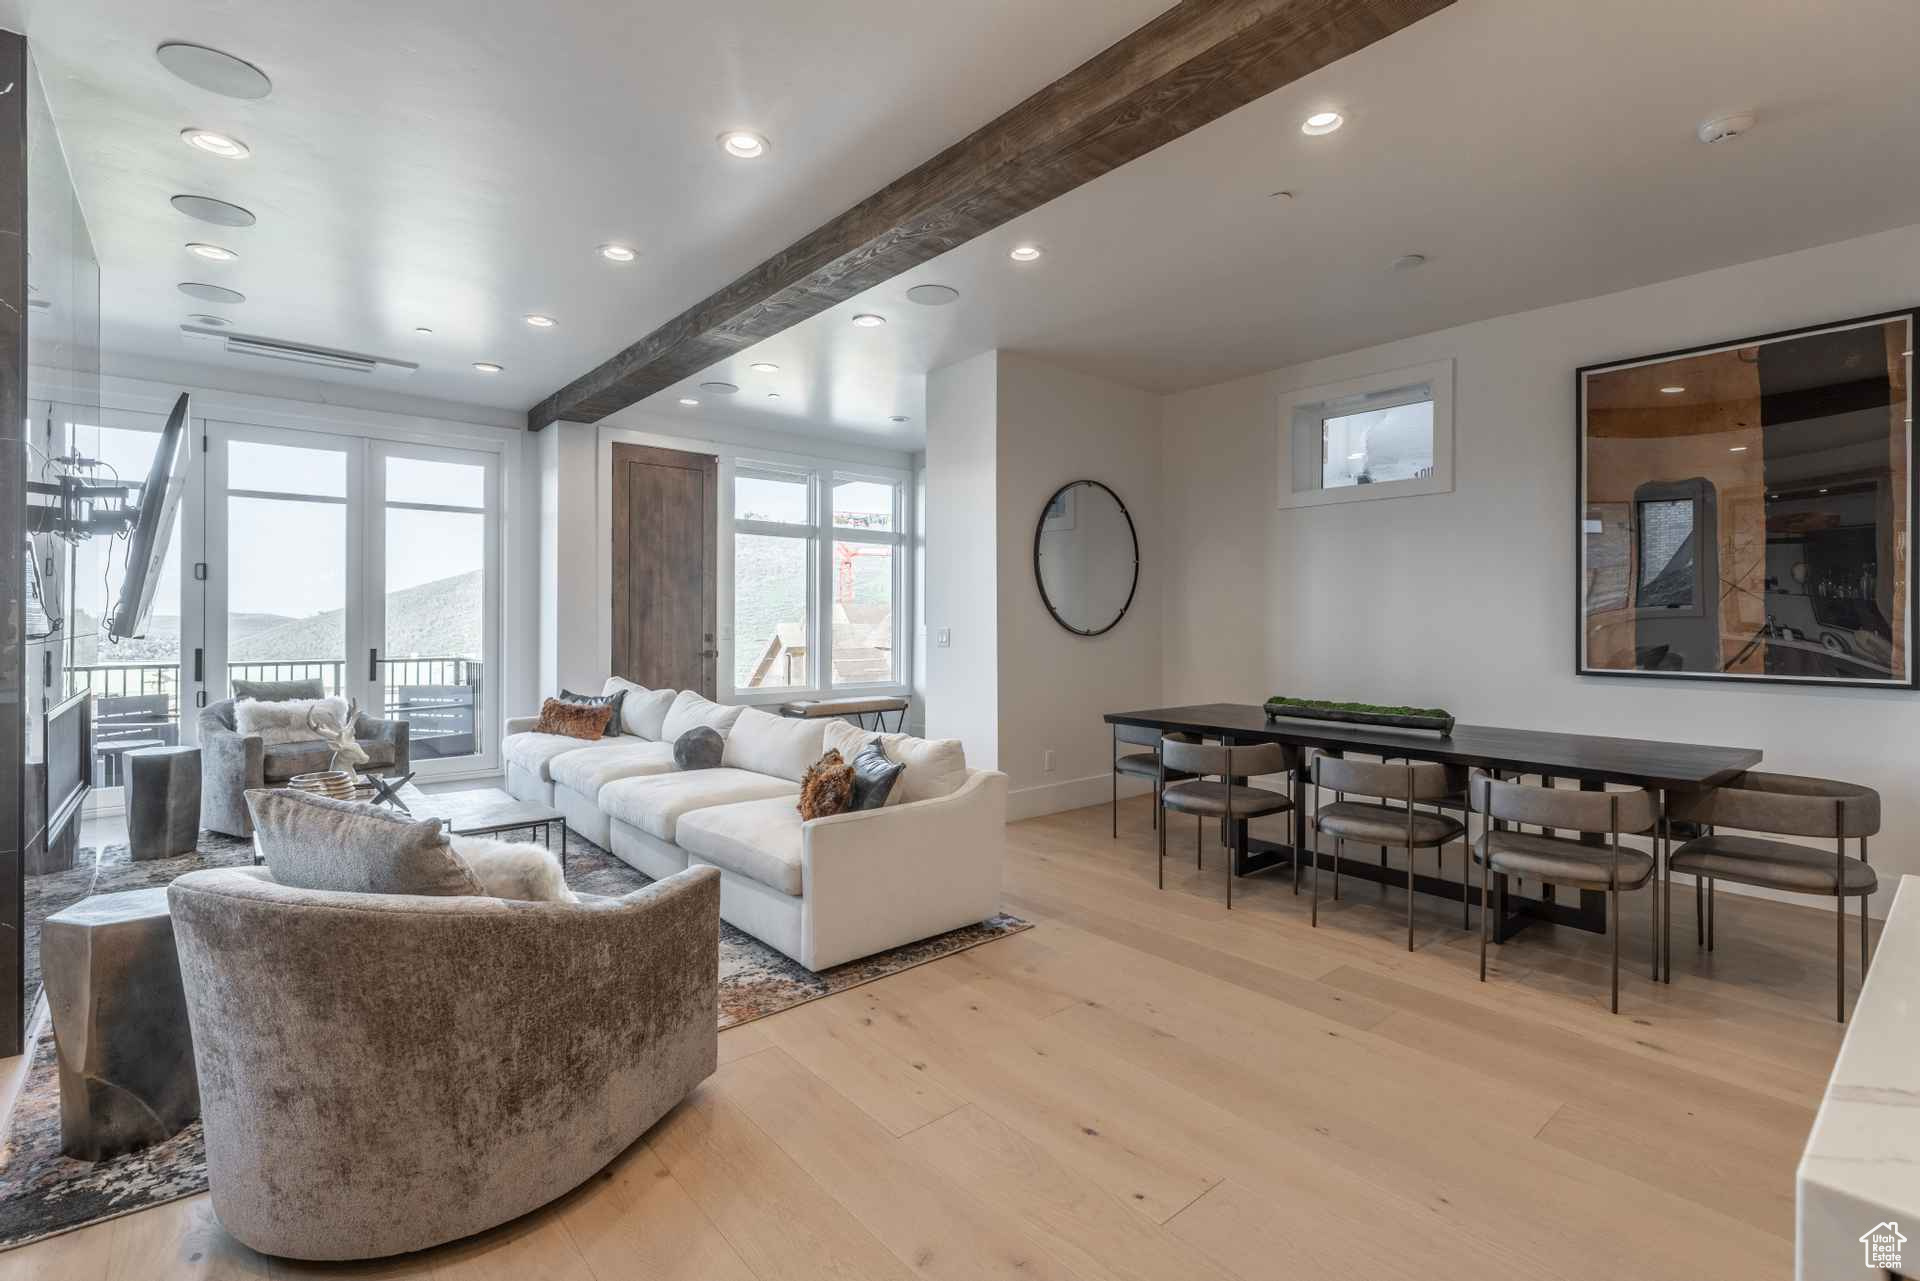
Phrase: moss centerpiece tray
pixel 1432 719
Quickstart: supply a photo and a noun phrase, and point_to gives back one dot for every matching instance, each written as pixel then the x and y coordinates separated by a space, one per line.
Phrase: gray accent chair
pixel 1382 823
pixel 1214 790
pixel 231 762
pixel 384 1073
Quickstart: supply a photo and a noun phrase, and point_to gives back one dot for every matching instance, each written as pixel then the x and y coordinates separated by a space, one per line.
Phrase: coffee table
pixel 487 811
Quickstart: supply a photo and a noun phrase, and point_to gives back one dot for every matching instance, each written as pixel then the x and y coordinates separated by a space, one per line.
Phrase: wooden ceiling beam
pixel 1191 65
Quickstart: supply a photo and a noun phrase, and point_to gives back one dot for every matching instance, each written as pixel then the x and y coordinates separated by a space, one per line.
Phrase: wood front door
pixel 664 520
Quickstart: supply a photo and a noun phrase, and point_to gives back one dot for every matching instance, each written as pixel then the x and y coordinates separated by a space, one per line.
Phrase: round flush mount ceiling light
pixel 217 212
pixel 1024 253
pixel 539 322
pixel 488 367
pixel 215 144
pixel 773 395
pixel 744 144
pixel 933 295
pixel 1321 123
pixel 421 329
pixel 212 253
pixel 1721 128
pixel 867 320
pixel 897 418
pixel 1671 391
pixel 214 71
pixel 720 388
pixel 215 322
pixel 688 401
pixel 764 367
pixel 1407 262
pixel 210 293
pixel 617 253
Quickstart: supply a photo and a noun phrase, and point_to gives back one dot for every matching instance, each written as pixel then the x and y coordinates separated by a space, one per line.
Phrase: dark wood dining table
pixel 1590 760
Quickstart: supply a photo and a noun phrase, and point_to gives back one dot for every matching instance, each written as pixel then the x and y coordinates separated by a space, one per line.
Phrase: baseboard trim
pixel 1072 794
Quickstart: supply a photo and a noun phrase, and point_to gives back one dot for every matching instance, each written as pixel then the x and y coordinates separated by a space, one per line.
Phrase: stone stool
pixel 163 802
pixel 127 1075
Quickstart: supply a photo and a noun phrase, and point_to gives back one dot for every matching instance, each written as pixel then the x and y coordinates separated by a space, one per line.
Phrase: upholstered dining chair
pixel 1780 805
pixel 1142 765
pixel 1379 821
pixel 1560 860
pixel 1226 799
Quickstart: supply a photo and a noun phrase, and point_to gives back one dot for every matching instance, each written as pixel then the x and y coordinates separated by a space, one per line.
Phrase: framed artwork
pixel 1745 510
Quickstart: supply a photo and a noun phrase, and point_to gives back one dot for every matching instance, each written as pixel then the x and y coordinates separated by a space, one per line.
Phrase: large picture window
pixel 818 573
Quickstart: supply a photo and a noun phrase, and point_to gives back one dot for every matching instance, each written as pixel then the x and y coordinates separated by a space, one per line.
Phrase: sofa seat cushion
pixel 535 753
pixel 760 840
pixel 656 804
pixel 625 757
pixel 282 761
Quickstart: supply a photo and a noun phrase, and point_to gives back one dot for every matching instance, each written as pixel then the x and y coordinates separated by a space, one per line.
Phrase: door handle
pixel 373 664
pixel 709 653
pixel 199 666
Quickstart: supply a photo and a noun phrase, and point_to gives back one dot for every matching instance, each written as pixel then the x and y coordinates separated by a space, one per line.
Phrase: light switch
pixel 943 638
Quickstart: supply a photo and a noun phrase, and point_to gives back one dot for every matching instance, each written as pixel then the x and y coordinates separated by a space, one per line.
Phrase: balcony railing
pixel 138 704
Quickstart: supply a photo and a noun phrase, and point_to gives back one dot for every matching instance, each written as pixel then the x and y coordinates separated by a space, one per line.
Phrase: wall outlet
pixel 1046 761
pixel 943 638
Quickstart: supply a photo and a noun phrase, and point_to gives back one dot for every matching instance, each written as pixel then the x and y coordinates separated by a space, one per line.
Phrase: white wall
pixel 1466 599
pixel 962 691
pixel 1054 427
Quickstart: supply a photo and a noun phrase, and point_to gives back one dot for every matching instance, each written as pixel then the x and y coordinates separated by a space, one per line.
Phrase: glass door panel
pixel 434 602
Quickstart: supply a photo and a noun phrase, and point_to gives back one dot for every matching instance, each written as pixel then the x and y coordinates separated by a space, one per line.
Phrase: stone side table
pixel 163 802
pixel 127 1075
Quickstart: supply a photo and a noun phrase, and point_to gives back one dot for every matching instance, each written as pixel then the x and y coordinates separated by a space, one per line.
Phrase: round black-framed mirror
pixel 1086 571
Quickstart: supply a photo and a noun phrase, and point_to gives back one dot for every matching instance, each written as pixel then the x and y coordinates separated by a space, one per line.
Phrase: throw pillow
pixel 690 709
pixel 643 711
pixel 847 738
pixel 285 721
pixel 699 748
pixel 827 788
pixel 873 777
pixel 935 767
pixel 317 843
pixel 514 869
pixel 279 691
pixel 611 698
pixel 573 720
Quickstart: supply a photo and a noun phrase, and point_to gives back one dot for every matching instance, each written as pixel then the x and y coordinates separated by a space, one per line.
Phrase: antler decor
pixel 347 752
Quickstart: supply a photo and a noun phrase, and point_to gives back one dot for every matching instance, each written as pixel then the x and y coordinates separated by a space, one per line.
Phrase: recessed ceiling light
pixel 421 329
pixel 1024 253
pixel 617 253
pixel 764 367
pixel 213 253
pixel 897 418
pixel 1823 491
pixel 773 395
pixel 867 320
pixel 217 322
pixel 210 293
pixel 1671 391
pixel 215 144
pixel 1721 128
pixel 1407 262
pixel 933 295
pixel 214 71
pixel 1282 196
pixel 217 212
pixel 720 388
pixel 1322 122
pixel 1736 449
pixel 539 322
pixel 744 144
pixel 487 367
pixel 688 400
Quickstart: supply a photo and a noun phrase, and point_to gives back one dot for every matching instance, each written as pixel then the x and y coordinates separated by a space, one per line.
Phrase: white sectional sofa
pixel 823 891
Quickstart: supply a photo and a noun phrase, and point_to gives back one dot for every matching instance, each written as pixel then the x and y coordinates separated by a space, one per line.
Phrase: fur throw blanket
pixel 275 723
pixel 514 869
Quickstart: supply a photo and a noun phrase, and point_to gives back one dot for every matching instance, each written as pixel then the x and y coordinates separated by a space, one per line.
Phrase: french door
pixel 370 565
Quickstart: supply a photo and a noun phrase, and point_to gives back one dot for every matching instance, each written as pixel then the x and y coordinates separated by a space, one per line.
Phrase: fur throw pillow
pixel 514 869
pixel 827 787
pixel 573 720
pixel 285 722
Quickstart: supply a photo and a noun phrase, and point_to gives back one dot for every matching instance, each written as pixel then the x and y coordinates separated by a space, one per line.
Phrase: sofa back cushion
pixel 935 767
pixel 279 691
pixel 643 713
pixel 285 721
pixel 690 709
pixel 776 745
pixel 317 843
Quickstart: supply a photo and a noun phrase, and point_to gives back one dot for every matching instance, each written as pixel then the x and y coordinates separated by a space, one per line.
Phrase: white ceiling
pixel 416 167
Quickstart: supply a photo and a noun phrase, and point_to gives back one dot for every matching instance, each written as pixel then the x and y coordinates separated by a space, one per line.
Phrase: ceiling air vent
pixel 295 353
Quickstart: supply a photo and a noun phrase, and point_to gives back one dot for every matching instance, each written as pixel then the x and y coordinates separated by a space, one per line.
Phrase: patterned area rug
pixel 43 1193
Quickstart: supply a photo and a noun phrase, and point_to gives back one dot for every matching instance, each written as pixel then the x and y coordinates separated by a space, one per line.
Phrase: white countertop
pixel 1861 1168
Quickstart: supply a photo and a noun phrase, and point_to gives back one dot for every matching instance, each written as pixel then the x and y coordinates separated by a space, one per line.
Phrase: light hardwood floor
pixel 1148 1086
